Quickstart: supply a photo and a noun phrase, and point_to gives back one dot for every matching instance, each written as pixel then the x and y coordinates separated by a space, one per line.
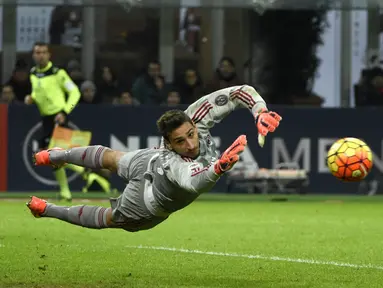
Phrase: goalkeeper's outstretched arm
pixel 195 178
pixel 213 108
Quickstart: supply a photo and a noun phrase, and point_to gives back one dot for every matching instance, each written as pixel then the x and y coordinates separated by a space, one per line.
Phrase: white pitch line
pixel 262 257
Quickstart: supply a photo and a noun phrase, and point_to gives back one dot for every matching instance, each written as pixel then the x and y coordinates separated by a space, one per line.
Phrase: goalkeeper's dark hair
pixel 171 120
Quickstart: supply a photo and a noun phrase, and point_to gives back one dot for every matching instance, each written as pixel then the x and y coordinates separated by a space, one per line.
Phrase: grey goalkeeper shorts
pixel 129 209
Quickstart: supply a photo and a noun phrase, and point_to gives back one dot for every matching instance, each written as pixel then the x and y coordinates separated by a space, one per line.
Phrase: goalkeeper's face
pixel 185 141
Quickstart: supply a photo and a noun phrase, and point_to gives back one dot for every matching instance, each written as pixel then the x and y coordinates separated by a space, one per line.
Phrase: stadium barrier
pixel 303 137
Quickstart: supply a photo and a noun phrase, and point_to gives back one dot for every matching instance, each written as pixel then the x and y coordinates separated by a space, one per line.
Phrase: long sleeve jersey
pixel 187 178
pixel 49 88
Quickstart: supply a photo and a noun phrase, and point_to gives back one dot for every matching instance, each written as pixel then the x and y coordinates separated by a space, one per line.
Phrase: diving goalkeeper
pixel 165 179
pixel 50 86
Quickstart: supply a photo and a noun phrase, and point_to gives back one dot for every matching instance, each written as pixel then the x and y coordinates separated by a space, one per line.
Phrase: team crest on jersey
pixel 221 100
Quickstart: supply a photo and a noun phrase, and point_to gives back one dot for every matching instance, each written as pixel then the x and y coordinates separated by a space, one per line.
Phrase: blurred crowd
pixel 369 90
pixel 149 88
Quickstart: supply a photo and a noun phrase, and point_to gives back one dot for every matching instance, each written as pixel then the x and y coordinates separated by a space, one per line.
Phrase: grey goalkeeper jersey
pixel 176 181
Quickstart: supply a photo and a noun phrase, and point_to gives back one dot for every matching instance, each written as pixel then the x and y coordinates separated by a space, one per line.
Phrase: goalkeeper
pixel 50 86
pixel 163 180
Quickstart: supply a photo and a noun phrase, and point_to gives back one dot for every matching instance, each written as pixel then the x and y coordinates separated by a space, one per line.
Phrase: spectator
pixel 74 72
pixel 225 75
pixel 173 98
pixel 57 24
pixel 150 87
pixel 190 27
pixel 107 85
pixel 7 95
pixel 369 90
pixel 126 99
pixel 190 86
pixel 88 92
pixel 19 81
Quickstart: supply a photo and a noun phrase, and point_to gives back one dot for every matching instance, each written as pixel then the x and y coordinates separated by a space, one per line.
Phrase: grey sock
pixel 85 216
pixel 89 156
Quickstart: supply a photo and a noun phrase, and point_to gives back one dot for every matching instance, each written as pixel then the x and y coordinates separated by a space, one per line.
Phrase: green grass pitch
pixel 220 241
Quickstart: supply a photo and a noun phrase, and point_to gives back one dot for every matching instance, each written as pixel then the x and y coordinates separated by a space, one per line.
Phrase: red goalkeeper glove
pixel 230 156
pixel 267 121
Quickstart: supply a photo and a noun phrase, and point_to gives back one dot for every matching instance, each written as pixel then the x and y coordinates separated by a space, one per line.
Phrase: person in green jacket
pixel 56 95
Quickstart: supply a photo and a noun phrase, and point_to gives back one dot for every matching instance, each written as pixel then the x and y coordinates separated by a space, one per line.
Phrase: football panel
pixel 347 173
pixel 357 174
pixel 367 164
pixel 354 166
pixel 361 153
pixel 340 173
pixel 334 167
pixel 356 141
pixel 331 151
pixel 353 159
pixel 331 159
pixel 342 148
pixel 353 175
pixel 369 155
pixel 341 159
pixel 336 145
pixel 350 152
pixel 353 145
pixel 367 148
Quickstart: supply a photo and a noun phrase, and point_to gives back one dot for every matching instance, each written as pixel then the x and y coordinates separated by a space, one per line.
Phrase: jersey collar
pixel 46 68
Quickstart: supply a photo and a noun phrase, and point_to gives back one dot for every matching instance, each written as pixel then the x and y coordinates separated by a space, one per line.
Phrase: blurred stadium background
pixel 317 63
